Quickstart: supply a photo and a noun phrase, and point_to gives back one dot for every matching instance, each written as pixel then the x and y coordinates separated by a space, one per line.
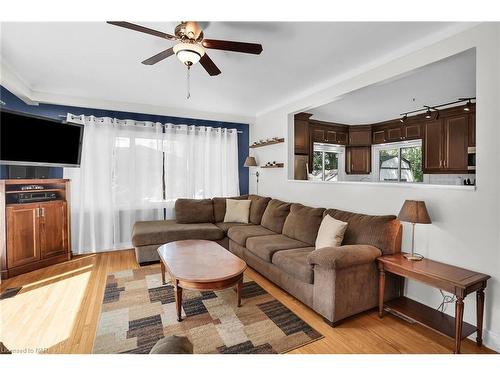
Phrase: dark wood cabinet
pixel 37 234
pixel 318 134
pixel 358 160
pixel 360 135
pixel 456 140
pixel 342 137
pixel 432 146
pixel 472 130
pixel 445 144
pixel 394 133
pixel 333 134
pixel 412 131
pixel 378 136
pixel 301 133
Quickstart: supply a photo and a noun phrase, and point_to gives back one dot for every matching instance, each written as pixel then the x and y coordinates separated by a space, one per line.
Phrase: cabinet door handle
pixel 43 211
pixel 37 212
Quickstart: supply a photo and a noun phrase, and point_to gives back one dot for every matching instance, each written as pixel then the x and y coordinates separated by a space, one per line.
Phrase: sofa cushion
pixel 240 234
pixel 237 211
pixel 275 215
pixel 265 246
pixel 163 231
pixel 294 263
pixel 257 208
pixel 189 211
pixel 303 223
pixel 379 231
pixel 330 233
pixel 225 226
pixel 219 207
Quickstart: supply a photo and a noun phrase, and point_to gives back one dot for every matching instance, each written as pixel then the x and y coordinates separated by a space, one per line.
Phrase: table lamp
pixel 414 212
pixel 251 162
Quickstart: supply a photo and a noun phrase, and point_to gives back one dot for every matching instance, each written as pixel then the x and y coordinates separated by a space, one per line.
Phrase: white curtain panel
pixel 200 162
pixel 120 177
pixel 119 182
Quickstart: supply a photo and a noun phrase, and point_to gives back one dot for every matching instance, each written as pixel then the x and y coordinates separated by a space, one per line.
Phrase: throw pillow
pixel 331 232
pixel 237 211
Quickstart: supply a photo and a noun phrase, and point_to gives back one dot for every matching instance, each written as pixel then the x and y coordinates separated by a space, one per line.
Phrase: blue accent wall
pixel 55 111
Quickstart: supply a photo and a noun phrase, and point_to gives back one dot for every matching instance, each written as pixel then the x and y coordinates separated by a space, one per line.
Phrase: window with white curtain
pixel 131 172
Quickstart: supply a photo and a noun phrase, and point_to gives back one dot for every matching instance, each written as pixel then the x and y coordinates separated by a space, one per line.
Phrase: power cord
pixel 446 300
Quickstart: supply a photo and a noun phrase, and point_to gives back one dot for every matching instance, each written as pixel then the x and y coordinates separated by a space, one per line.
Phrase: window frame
pixel 339 150
pixel 390 146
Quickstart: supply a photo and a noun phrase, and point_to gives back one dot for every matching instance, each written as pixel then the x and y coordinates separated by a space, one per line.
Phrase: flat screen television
pixel 33 140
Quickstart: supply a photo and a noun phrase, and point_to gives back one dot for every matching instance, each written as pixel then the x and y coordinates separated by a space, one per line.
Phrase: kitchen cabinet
pixel 378 136
pixel 360 135
pixel 328 134
pixel 396 132
pixel 445 144
pixel 472 130
pixel 301 133
pixel 358 160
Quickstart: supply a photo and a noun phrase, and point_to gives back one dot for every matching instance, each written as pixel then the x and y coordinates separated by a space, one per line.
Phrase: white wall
pixel 466 223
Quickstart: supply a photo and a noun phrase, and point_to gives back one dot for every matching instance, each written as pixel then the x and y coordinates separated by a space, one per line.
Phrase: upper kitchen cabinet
pixel 445 143
pixel 322 132
pixel 301 133
pixel 360 135
pixel 396 131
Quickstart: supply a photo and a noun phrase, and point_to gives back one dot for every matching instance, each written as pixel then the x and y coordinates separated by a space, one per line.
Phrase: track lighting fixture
pixel 428 113
pixel 467 105
pixel 428 109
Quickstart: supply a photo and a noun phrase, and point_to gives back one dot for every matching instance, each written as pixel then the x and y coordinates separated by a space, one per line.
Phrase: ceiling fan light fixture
pixel 189 53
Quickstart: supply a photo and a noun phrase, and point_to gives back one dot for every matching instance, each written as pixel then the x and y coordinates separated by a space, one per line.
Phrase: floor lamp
pixel 251 162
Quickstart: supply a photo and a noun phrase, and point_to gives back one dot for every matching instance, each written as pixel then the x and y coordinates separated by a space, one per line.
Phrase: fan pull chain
pixel 188 83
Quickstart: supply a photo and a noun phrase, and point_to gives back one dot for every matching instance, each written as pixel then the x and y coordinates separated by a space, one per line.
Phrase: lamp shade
pixel 250 162
pixel 414 212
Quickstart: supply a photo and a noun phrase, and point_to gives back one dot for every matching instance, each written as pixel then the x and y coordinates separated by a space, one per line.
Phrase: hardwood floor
pixel 58 308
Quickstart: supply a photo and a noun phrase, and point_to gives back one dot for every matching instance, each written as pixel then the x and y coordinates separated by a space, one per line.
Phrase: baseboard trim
pixel 491 340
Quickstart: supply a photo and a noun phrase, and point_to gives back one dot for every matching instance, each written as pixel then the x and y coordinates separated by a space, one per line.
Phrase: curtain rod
pixel 143 123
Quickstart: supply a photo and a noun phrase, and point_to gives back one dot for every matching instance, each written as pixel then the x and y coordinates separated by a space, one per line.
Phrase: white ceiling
pixel 438 83
pixel 94 60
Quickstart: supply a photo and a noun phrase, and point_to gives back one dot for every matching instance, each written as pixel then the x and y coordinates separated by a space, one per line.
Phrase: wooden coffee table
pixel 200 265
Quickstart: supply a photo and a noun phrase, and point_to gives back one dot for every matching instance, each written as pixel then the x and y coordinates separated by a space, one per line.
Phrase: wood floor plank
pixel 58 310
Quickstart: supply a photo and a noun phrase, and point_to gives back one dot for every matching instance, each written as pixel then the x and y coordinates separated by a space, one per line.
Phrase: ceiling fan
pixel 191 45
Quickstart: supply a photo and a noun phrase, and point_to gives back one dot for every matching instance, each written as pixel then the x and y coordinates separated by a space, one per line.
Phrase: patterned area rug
pixel 138 310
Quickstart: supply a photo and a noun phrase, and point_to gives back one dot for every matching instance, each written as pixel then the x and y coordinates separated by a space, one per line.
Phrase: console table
pixel 455 280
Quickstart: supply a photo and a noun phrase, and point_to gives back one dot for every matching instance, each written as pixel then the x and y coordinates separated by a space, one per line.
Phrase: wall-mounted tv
pixel 33 140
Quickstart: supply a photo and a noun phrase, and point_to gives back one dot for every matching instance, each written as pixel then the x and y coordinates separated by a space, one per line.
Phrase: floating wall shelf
pixel 279 140
pixel 277 165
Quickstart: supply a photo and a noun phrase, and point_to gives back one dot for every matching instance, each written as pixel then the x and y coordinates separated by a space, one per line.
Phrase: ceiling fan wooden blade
pixel 209 65
pixel 158 57
pixel 227 45
pixel 142 29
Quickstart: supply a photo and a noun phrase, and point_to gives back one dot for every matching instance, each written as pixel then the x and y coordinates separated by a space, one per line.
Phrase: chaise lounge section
pixel 279 243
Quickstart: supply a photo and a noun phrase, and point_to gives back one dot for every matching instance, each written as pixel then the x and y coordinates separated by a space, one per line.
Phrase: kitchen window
pixel 328 161
pixel 399 162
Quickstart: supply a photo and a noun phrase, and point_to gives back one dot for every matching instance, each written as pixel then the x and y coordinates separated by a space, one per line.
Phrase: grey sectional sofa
pixel 336 282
